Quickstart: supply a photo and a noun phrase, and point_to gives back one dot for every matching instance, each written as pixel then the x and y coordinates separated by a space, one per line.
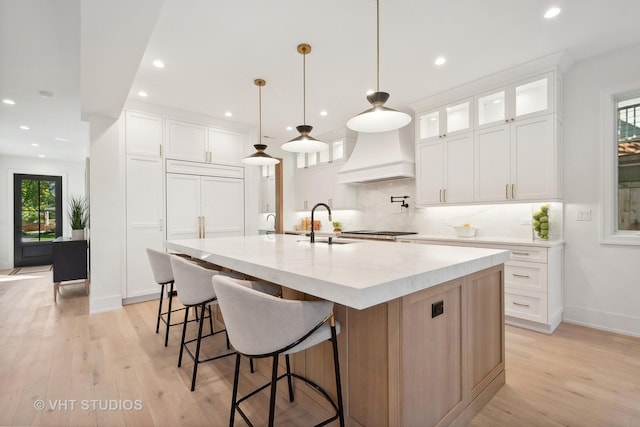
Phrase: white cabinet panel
pixel 183 206
pixel 143 134
pixel 492 165
pixel 186 141
pixel 222 206
pixel 226 147
pixel 144 221
pixel 532 160
pixel 429 172
pixel 268 195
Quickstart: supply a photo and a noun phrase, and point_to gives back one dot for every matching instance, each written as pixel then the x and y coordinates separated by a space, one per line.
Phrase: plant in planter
pixel 78 216
pixel 337 226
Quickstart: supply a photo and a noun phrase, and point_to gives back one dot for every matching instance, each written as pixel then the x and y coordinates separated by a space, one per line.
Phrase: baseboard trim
pixel 610 322
pixel 104 304
pixel 140 298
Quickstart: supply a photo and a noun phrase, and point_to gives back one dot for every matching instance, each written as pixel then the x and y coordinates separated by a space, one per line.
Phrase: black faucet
pixel 312 235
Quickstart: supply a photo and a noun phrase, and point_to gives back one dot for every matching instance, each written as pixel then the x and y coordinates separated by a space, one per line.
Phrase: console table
pixel 69 263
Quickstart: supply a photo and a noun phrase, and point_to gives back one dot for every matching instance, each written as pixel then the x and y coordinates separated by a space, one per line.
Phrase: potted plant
pixel 78 216
pixel 337 226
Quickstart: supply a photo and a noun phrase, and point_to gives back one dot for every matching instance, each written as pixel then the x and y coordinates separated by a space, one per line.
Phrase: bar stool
pixel 260 325
pixel 163 275
pixel 195 290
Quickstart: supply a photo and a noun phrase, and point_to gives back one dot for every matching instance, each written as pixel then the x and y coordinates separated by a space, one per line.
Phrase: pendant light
pixel 304 143
pixel 260 158
pixel 379 118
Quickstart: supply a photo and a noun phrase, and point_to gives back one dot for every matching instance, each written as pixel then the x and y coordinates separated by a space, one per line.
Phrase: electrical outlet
pixel 584 215
pixel 446 221
pixel 437 308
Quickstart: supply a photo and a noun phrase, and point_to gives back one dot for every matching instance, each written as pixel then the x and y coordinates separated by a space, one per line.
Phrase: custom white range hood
pixel 380 157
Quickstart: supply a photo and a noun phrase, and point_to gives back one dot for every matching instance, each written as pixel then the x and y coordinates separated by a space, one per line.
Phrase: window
pixel 621 155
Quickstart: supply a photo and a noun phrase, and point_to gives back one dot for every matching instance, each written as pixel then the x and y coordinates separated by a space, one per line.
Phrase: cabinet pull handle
pixel 203 230
pixel 524 276
pixel 160 145
pixel 520 304
pixel 506 191
pixel 440 196
pixel 513 191
pixel 520 253
pixel 506 120
pixel 444 195
pixel 161 224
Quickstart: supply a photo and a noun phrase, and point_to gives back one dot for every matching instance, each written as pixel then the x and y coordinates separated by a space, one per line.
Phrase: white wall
pixel 601 282
pixel 73 183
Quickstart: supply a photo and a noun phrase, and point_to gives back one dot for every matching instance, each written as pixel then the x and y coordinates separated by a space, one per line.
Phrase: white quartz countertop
pixel 482 240
pixel 359 274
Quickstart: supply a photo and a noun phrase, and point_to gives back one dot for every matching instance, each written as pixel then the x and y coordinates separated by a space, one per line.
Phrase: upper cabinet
pixel 445 120
pixel 524 99
pixel 500 145
pixel 186 141
pixel 143 134
pixel 199 143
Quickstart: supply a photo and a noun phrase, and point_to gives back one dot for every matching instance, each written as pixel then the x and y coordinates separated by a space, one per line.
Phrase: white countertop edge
pixel 344 295
pixel 482 239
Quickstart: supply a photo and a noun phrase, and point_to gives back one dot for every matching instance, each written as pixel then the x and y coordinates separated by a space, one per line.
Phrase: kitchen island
pixel 422 340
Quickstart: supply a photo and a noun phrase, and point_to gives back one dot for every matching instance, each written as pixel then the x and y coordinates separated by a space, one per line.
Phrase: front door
pixel 37 219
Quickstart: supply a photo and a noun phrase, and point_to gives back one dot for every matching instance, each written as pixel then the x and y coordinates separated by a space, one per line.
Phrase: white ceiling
pixel 213 50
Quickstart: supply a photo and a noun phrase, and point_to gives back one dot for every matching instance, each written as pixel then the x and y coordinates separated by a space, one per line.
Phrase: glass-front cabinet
pixel 445 120
pixel 524 99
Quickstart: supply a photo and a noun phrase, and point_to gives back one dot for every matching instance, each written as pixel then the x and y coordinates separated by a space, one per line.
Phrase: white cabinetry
pixel 199 143
pixel 444 170
pixel 143 134
pixel 144 221
pixel 226 146
pixel 319 184
pixel 204 200
pixel 514 153
pixel 267 189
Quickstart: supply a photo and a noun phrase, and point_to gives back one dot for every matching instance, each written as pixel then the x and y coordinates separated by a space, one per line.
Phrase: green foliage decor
pixel 78 213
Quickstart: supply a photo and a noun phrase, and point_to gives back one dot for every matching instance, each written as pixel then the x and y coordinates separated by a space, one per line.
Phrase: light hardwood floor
pixel 58 354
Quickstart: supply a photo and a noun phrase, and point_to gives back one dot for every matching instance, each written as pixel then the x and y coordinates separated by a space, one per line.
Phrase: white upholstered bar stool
pixel 163 275
pixel 195 290
pixel 260 325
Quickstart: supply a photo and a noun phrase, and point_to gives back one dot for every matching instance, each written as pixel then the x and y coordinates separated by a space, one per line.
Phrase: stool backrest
pixel 160 266
pixel 193 282
pixel 258 323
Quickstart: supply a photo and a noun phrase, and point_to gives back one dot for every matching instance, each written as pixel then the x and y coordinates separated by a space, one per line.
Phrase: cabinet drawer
pixel 525 275
pixel 530 306
pixel 524 253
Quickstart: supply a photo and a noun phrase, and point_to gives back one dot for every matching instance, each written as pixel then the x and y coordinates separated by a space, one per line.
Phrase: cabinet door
pixel 144 222
pixel 222 206
pixel 342 196
pixel 301 192
pixel 319 185
pixel 533 158
pixel 143 134
pixel 183 206
pixel 492 164
pixel 186 141
pixel 459 168
pixel 533 97
pixel 429 125
pixel 429 172
pixel 267 195
pixel 226 147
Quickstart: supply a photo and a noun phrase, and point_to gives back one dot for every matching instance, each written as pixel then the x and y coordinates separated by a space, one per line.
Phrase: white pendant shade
pixel 260 158
pixel 304 143
pixel 378 119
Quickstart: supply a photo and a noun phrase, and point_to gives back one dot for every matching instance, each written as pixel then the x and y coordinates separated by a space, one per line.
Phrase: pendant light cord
pixel 304 87
pixel 259 114
pixel 377 45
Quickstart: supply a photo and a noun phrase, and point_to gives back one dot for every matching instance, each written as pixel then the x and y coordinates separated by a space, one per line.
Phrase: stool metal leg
pixel 166 336
pixel 210 319
pixel 286 358
pixel 234 394
pixel 195 361
pixel 336 367
pixel 184 333
pixel 160 309
pixel 274 383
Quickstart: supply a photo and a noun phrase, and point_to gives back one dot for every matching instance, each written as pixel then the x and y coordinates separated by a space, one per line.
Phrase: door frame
pixel 17 214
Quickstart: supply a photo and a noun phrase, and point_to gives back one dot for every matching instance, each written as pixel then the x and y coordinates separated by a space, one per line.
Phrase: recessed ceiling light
pixel 158 63
pixel 440 60
pixel 289 127
pixel 62 139
pixel 41 156
pixel 45 94
pixel 228 114
pixel 143 94
pixel 35 145
pixel 9 101
pixel 370 91
pixel 552 12
pixel 23 127
pixel 323 113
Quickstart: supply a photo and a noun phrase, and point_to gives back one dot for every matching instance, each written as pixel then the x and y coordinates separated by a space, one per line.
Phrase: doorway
pixel 37 218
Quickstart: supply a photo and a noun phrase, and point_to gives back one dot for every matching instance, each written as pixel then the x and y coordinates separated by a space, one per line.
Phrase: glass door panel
pixel 532 97
pixel 458 117
pixel 491 108
pixel 430 125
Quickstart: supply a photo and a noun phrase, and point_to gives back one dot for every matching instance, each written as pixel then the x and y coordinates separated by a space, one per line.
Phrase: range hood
pixel 380 157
